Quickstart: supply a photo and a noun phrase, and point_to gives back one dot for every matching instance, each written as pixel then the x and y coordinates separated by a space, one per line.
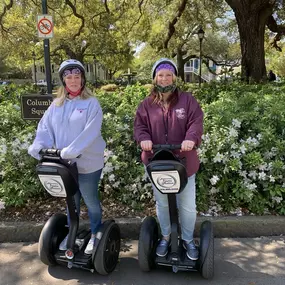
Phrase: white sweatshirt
pixel 75 129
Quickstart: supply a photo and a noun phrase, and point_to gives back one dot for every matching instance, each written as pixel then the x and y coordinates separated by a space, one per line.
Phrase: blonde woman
pixel 171 116
pixel 72 124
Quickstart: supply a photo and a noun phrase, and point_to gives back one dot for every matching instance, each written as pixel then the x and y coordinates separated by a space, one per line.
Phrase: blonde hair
pixel 61 95
pixel 157 96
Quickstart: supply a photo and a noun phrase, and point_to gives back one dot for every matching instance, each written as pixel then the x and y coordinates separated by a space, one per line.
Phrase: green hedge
pixel 242 153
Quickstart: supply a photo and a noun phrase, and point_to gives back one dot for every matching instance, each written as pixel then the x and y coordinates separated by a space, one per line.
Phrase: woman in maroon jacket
pixel 170 116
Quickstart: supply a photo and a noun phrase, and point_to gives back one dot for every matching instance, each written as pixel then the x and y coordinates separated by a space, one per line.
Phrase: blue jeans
pixel 186 203
pixel 88 185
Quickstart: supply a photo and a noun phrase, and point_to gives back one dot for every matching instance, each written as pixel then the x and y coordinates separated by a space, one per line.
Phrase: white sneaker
pixel 63 244
pixel 90 245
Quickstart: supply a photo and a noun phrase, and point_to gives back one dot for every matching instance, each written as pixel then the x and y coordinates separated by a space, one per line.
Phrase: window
pixel 187 77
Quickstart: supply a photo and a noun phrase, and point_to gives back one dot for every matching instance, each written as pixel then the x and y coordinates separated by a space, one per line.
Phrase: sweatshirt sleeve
pixel 44 136
pixel 90 133
pixel 194 122
pixel 141 130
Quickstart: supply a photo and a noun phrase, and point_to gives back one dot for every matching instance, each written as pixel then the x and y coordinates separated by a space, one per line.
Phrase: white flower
pixel 277 199
pixel 252 174
pixel 214 180
pixel 262 166
pixel 17 107
pixel 251 186
pixel 111 177
pixel 242 149
pixel 262 176
pixel 271 178
pixel 3 149
pixel 206 138
pixel 236 123
pixel 235 154
pixel 218 157
pixel 252 141
pixel 214 190
pixel 233 132
pixel 108 168
pixel 234 146
pixel 116 184
pixel 242 173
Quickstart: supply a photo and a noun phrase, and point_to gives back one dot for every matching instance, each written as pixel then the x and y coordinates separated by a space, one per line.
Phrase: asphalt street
pixel 238 261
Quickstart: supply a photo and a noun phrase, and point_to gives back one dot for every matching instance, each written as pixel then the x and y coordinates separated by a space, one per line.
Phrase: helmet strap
pixel 165 89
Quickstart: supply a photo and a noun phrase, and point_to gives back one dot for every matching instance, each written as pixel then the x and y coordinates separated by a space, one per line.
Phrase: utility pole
pixel 47 54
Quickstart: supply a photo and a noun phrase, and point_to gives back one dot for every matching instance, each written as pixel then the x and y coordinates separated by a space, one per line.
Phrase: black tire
pixel 147 244
pixel 107 253
pixel 53 232
pixel 207 250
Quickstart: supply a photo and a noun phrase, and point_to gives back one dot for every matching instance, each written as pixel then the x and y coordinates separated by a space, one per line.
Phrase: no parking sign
pixel 45 26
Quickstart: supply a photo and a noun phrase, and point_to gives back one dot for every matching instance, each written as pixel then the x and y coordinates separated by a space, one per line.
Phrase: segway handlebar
pixel 166 146
pixel 50 152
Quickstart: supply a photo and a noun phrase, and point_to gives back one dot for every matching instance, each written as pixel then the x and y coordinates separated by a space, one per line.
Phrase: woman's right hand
pixel 146 145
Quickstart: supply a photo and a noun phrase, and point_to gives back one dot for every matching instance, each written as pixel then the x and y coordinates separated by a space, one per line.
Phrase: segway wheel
pixel 147 244
pixel 107 254
pixel 206 250
pixel 52 234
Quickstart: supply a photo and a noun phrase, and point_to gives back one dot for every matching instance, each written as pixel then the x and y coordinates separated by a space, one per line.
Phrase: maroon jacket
pixel 183 121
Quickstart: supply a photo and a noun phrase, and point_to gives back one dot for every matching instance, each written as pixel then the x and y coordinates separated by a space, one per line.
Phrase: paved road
pixel 257 261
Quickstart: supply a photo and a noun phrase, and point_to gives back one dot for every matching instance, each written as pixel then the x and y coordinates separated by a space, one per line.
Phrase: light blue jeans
pixel 186 203
pixel 88 185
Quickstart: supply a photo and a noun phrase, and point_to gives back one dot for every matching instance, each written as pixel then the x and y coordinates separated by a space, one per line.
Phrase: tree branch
pixel 6 8
pixel 171 24
pixel 67 2
pixel 106 7
pixel 275 28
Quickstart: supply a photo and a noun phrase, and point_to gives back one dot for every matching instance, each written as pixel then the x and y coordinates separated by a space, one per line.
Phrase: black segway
pixel 169 176
pixel 60 178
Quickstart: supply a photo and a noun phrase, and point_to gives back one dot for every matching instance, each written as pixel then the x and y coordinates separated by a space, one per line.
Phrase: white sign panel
pixel 45 26
pixel 166 181
pixel 53 184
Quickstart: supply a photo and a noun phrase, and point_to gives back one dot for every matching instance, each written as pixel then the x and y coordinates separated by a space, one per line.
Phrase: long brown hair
pixel 157 96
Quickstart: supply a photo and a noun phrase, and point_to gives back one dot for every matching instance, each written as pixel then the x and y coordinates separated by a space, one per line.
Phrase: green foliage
pixel 243 147
pixel 17 176
pixel 242 153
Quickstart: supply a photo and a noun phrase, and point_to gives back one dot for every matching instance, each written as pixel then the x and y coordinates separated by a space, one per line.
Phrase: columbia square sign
pixel 33 107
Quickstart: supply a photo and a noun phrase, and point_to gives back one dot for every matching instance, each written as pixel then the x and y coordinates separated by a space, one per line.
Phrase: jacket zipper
pixel 165 125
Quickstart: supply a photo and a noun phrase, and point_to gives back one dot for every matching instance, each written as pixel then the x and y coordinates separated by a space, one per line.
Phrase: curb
pixel 224 227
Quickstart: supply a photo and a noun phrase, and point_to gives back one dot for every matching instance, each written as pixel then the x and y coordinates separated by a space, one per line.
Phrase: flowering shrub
pixel 18 181
pixel 242 153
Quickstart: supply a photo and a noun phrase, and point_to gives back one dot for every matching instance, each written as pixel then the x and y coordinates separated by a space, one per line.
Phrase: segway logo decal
pixel 53 184
pixel 166 181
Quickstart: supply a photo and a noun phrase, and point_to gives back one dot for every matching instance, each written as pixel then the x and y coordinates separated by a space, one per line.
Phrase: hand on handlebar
pixel 187 145
pixel 146 145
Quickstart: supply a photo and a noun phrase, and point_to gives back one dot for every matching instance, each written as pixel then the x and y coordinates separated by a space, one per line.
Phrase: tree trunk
pixel 251 18
pixel 180 63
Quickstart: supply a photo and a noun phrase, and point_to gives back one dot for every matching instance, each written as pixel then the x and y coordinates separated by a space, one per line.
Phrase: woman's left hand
pixel 187 145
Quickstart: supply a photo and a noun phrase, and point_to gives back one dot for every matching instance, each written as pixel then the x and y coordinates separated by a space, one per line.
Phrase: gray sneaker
pixel 162 248
pixel 63 244
pixel 191 250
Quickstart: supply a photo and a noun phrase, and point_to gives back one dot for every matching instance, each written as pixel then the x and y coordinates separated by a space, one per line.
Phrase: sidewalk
pixel 244 261
pixel 224 227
